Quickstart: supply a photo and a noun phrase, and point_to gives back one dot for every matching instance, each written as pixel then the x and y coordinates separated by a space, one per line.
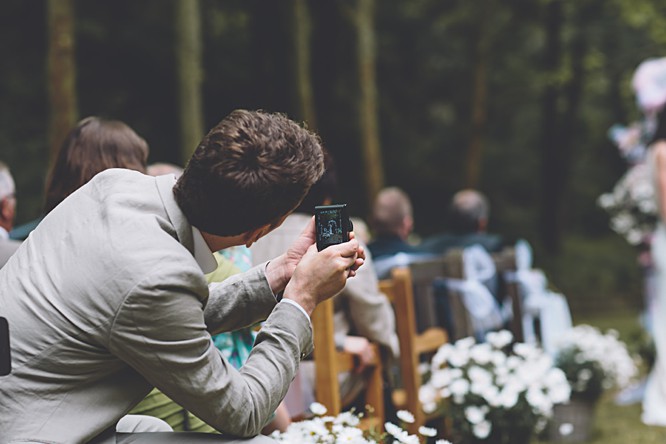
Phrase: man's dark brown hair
pixel 251 169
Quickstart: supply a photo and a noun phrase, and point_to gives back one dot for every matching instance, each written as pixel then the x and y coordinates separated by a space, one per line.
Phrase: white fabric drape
pixel 478 267
pixel 550 307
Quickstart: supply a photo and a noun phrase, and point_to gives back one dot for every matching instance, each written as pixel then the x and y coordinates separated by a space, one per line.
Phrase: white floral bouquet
pixel 594 362
pixel 495 392
pixel 632 205
pixel 345 428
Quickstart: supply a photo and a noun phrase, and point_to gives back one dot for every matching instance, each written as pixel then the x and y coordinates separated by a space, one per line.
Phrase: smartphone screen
pixel 331 227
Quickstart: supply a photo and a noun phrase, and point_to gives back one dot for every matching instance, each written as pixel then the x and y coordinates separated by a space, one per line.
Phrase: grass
pixel 615 424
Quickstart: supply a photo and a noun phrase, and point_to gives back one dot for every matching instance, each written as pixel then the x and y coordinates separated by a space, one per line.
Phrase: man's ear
pixel 7 212
pixel 407 226
pixel 250 237
pixel 6 209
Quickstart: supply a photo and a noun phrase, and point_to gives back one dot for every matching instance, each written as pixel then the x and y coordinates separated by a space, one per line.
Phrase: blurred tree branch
pixel 190 75
pixel 61 72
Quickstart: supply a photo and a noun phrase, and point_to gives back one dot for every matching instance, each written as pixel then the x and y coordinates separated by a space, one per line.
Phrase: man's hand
pixel 281 269
pixel 360 347
pixel 321 275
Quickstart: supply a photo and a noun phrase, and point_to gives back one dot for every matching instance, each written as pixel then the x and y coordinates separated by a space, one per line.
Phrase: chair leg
pixel 375 393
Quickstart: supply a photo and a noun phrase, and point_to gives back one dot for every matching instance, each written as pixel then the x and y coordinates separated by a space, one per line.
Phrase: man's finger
pixel 347 249
pixel 309 230
pixel 357 263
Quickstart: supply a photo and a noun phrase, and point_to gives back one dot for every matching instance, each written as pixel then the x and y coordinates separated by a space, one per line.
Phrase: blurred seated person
pixel 7 213
pixel 362 314
pixel 468 222
pixel 392 223
pixel 162 168
pixel 93 145
pixel 361 229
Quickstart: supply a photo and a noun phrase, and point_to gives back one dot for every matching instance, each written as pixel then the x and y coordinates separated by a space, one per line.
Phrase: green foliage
pixel 595 273
pixel 619 424
pixel 641 344
pixel 588 386
pixel 426 60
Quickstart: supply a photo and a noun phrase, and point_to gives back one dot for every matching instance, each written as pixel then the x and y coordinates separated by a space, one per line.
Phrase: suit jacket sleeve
pixel 160 330
pixel 239 301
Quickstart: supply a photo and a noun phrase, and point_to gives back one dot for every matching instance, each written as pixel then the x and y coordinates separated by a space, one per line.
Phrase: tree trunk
pixel 190 75
pixel 560 127
pixel 367 104
pixel 61 72
pixel 550 136
pixel 479 100
pixel 304 91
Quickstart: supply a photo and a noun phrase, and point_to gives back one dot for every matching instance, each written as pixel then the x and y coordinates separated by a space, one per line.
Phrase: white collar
pixel 202 253
pixel 4 235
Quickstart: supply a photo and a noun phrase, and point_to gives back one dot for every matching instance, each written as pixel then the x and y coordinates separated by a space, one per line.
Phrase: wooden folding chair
pixel 413 345
pixel 505 262
pixel 450 266
pixel 329 363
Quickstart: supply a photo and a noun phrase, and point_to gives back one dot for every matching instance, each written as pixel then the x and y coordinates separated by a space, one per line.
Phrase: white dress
pixel 654 402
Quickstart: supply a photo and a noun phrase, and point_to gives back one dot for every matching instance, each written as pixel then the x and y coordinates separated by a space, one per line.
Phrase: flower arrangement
pixel 495 392
pixel 594 362
pixel 345 428
pixel 632 205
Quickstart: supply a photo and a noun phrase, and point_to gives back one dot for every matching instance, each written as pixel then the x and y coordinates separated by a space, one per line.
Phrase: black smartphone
pixel 5 356
pixel 332 225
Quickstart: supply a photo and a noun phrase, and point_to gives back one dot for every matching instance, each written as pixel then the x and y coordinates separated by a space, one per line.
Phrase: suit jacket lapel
pixel 182 226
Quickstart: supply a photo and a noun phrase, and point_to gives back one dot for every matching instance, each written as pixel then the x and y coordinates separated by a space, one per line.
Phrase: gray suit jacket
pixel 105 300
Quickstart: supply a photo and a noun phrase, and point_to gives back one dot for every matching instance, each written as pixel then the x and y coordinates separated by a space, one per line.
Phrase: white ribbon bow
pixel 478 267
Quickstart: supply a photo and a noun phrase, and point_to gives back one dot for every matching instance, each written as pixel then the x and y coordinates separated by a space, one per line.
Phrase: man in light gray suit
pixel 7 213
pixel 107 298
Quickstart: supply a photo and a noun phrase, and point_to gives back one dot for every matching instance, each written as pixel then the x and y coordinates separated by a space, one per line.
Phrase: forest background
pixel 512 97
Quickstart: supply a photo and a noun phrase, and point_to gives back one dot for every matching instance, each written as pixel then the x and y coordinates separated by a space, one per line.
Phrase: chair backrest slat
pixel 505 262
pixel 400 290
pixel 329 363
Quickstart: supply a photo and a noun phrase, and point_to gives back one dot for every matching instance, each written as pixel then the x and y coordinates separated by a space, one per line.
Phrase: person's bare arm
pixel 361 347
pixel 660 162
